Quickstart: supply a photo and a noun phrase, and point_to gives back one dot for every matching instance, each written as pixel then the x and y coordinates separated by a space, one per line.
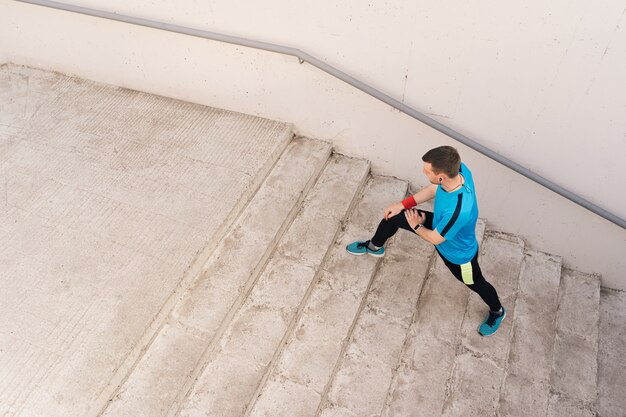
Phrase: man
pixel 451 228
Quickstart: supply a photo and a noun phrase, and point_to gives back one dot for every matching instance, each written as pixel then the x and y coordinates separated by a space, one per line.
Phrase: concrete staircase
pixel 283 322
pixel 262 312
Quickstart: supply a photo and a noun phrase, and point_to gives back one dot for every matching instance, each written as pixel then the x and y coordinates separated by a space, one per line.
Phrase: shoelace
pixel 492 318
pixel 363 244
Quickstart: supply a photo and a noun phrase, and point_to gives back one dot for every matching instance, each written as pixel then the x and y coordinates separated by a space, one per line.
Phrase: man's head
pixel 441 163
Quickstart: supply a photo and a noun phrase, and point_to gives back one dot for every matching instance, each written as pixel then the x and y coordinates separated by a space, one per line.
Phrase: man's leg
pixel 386 229
pixel 471 275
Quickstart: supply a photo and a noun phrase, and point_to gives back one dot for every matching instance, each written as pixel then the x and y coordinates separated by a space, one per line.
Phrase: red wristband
pixel 409 202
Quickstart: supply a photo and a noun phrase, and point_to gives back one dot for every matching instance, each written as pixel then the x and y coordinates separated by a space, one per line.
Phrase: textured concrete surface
pixel 479 368
pixel 574 372
pixel 520 397
pixel 223 283
pixel 534 322
pixel 612 351
pixel 308 361
pixel 257 330
pixel 109 197
pixel 431 345
pixel 563 406
pixel 362 381
pixel 526 386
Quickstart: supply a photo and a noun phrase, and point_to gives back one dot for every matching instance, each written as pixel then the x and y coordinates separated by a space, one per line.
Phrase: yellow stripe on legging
pixel 467 274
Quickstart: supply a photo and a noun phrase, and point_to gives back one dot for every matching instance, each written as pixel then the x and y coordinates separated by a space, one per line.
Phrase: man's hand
pixel 414 217
pixel 393 210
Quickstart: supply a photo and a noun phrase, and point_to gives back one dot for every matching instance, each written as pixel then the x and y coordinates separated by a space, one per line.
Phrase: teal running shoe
pixel 361 248
pixel 491 323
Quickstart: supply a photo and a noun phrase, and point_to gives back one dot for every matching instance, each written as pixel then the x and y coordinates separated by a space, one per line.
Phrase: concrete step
pixel 611 354
pixel 303 370
pixel 167 369
pixel 419 386
pixel 237 367
pixel 364 374
pixel 573 382
pixel 525 390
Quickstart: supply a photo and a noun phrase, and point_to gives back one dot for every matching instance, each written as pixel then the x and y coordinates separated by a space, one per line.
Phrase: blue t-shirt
pixel 455 217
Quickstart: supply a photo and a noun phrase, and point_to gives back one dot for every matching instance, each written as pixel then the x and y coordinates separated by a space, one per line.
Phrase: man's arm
pixel 425 194
pixel 431 236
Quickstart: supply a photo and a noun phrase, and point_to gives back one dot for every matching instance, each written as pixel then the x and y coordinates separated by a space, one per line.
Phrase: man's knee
pixel 395 221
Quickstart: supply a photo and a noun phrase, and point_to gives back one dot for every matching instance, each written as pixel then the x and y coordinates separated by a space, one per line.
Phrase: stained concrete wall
pixel 539 83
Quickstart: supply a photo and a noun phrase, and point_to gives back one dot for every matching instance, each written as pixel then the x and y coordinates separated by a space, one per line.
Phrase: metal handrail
pixel 304 57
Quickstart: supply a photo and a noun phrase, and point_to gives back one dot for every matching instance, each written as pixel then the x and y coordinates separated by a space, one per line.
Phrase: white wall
pixel 540 83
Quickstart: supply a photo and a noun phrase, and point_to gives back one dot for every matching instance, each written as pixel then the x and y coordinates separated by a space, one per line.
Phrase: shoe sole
pixel 368 253
pixel 487 335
